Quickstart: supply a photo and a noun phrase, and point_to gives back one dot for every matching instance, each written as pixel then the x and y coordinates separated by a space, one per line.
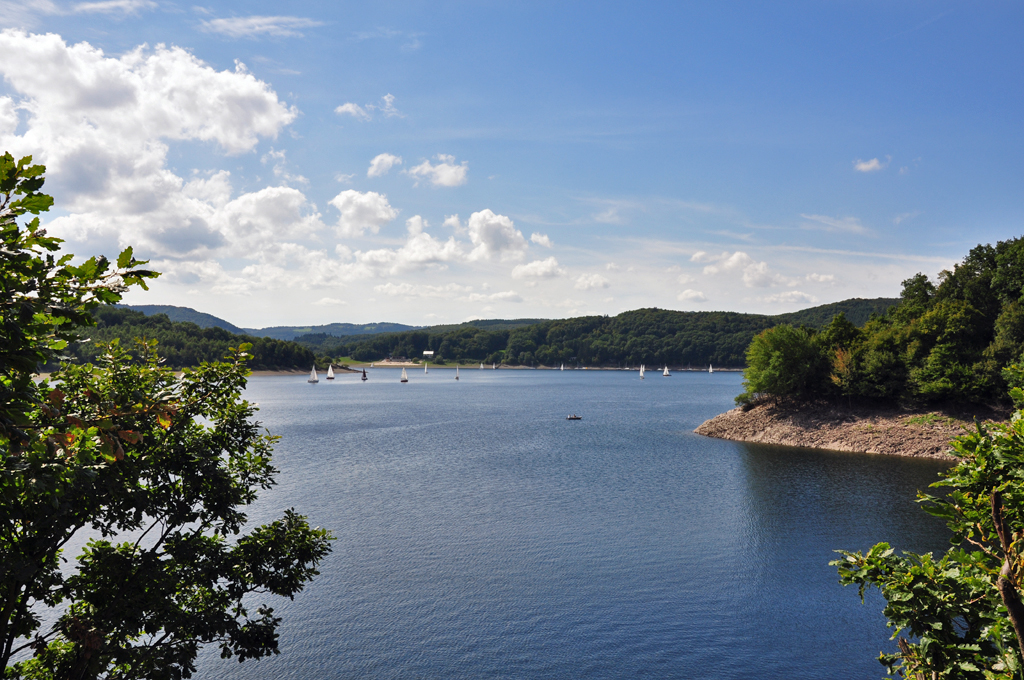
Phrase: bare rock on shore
pixel 871 429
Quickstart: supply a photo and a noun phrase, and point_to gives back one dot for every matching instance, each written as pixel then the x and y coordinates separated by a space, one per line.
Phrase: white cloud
pixel 254 26
pixel 382 164
pixel 690 295
pixel 361 212
pixel 416 224
pixel 452 222
pixel 354 110
pixel 826 223
pixel 902 217
pixel 113 7
pixel 591 281
pixel 872 165
pixel 609 216
pixel 386 108
pixel 790 297
pixel 684 279
pixel 444 174
pixel 612 267
pixel 342 178
pixel 495 235
pixel 102 126
pixel 329 302
pixel 754 274
pixel 538 269
pixel 451 290
pixel 821 278
pixel 541 240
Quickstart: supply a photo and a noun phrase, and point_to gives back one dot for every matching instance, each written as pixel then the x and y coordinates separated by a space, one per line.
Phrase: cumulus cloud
pixel 754 274
pixel 541 240
pixel 256 26
pixel 102 126
pixel 452 222
pixel 495 236
pixel 821 278
pixel 444 174
pixel 386 108
pixel 362 211
pixel 538 269
pixel 872 165
pixel 826 223
pixel 382 164
pixel 450 290
pixel 591 281
pixel 690 295
pixel 329 302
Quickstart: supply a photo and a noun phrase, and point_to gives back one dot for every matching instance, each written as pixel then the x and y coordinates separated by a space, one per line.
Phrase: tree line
pixel 957 339
pixel 651 336
pixel 181 343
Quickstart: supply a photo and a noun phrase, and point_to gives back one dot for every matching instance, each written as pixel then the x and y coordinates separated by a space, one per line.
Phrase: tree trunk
pixel 1007 589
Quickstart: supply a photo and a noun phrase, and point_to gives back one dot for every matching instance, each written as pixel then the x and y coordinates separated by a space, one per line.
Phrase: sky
pixel 434 162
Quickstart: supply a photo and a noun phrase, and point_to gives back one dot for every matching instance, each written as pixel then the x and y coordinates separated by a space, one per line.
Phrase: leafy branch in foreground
pixel 961 614
pixel 155 468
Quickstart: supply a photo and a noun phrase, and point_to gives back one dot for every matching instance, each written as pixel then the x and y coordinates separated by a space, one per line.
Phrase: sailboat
pixel 312 376
pixel 456 372
pixel 493 366
pixel 710 369
pixel 405 378
pixel 364 378
pixel 481 367
pixel 666 373
pixel 424 368
pixel 641 371
pixel 562 368
pixel 330 371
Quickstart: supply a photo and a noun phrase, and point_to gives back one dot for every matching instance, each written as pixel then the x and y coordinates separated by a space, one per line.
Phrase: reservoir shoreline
pixel 885 430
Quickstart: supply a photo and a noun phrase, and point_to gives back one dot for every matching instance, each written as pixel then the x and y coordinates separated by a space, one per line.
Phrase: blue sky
pixel 432 162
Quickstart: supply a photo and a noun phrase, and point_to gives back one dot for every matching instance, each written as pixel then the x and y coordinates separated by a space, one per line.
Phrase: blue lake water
pixel 481 535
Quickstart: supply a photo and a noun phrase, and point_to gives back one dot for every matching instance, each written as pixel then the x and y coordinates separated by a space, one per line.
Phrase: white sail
pixel 405 378
pixel 424 367
pixel 641 371
pixel 330 372
pixel 456 372
pixel 710 369
pixel 481 367
pixel 562 368
pixel 493 366
pixel 312 376
pixel 665 372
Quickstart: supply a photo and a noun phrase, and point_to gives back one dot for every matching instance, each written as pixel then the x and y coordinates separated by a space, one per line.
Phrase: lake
pixel 482 535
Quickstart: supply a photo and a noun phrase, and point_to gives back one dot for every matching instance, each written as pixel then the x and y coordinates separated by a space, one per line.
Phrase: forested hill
pixel 651 336
pixel 183 343
pixel 335 329
pixel 201 319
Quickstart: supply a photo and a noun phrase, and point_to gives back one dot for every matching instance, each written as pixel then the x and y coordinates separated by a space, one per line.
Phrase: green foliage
pixel 184 343
pixel 156 468
pixel 951 342
pixel 962 612
pixel 652 336
pixel 784 361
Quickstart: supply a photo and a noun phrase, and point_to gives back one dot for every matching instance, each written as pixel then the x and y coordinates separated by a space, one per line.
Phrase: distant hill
pixel 652 336
pixel 334 329
pixel 178 314
pixel 486 324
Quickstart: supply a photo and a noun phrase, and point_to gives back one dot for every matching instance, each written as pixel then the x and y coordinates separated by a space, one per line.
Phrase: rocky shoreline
pixel 871 429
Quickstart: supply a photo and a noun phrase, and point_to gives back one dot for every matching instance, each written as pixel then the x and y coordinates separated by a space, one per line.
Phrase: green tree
pixel 783 362
pixel 960 615
pixel 157 468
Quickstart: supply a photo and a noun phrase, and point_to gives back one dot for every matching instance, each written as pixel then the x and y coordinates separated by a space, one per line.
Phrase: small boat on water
pixel 330 372
pixel 424 368
pixel 562 368
pixel 493 366
pixel 312 376
pixel 574 417
pixel 666 373
pixel 710 369
pixel 456 372
pixel 641 371
pixel 364 378
pixel 481 367
pixel 405 377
